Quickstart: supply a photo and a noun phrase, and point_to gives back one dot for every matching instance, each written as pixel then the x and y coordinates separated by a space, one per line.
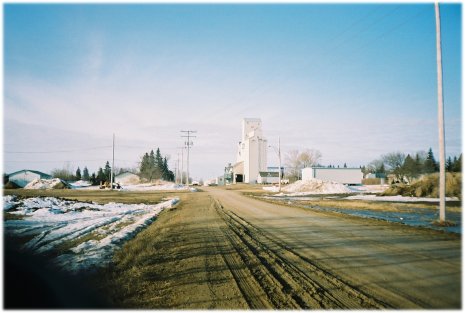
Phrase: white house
pixel 251 154
pixel 127 178
pixel 24 177
pixel 348 176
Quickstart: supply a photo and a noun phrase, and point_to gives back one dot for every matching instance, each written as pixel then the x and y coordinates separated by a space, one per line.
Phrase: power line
pixel 188 144
pixel 58 151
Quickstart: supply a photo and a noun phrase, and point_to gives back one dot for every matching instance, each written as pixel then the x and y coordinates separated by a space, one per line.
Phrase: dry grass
pixel 428 186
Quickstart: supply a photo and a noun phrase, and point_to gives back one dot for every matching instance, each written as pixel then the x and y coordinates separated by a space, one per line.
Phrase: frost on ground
pixel 314 186
pixel 97 230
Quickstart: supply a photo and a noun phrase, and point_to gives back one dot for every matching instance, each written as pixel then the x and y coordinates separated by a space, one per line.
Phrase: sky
pixel 353 81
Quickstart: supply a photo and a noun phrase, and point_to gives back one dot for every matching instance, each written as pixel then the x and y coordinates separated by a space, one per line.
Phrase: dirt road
pixel 220 249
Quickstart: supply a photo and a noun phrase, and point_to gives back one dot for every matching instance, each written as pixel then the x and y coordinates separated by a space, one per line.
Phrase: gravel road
pixel 221 250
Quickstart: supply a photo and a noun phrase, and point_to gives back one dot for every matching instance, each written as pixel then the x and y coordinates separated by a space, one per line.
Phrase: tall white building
pixel 251 155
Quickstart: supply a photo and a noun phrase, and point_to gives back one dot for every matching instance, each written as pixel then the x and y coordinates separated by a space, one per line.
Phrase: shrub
pixel 428 186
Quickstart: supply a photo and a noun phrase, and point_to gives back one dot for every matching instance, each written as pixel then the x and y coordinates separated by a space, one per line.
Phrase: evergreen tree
pixel 449 164
pixel 165 170
pixel 457 165
pixel 144 166
pixel 78 174
pixel 419 164
pixel 107 171
pixel 409 168
pixel 430 165
pixel 93 179
pixel 100 176
pixel 85 174
pixel 159 161
pixel 345 165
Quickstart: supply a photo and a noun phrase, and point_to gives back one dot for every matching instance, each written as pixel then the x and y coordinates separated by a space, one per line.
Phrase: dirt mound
pixel 11 185
pixel 316 186
pixel 54 183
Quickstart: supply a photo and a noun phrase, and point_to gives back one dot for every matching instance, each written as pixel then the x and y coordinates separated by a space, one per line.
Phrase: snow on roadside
pixel 314 186
pixel 53 222
pixel 397 198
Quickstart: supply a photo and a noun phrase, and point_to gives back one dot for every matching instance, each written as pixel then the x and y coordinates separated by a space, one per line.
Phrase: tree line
pixel 152 166
pixel 409 167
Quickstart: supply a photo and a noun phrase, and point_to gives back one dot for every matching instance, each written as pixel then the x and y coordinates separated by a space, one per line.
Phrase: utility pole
pixel 112 163
pixel 177 169
pixel 442 152
pixel 188 143
pixel 279 155
pixel 182 162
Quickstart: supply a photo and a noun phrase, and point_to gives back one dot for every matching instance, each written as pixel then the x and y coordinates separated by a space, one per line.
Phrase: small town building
pixel 268 177
pixel 348 176
pixel 24 177
pixel 127 178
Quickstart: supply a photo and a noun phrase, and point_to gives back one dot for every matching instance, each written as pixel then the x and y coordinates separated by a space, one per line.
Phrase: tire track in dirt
pixel 320 290
pixel 247 285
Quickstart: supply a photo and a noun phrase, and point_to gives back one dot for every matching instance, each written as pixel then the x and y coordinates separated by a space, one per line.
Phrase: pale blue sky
pixel 353 81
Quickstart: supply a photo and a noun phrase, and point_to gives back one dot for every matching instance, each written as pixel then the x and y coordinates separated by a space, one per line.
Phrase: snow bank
pixel 52 222
pixel 81 183
pixel 54 183
pixel 315 186
pixel 397 198
pixel 151 186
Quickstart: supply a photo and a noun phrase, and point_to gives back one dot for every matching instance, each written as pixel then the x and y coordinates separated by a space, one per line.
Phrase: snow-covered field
pixel 91 232
pixel 167 186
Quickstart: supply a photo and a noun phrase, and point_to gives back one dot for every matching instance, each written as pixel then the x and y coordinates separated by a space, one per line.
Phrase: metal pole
pixel 182 164
pixel 279 170
pixel 112 164
pixel 188 144
pixel 442 152
pixel 187 161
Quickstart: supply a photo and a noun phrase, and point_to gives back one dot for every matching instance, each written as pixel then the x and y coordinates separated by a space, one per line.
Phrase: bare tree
pixel 395 162
pixel 295 161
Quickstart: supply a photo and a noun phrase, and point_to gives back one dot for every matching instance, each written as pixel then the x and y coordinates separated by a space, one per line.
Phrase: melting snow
pixel 314 186
pixel 52 222
pixel 46 184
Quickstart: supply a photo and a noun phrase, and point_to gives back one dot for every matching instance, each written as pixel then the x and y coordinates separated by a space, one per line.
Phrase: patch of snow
pixel 315 186
pixel 369 188
pixel 53 222
pixel 44 183
pixel 271 188
pixel 151 186
pixel 81 183
pixel 397 198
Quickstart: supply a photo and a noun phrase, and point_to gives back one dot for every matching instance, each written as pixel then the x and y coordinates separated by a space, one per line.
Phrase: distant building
pixel 251 154
pixel 228 175
pixel 348 176
pixel 268 177
pixel 24 177
pixel 127 178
